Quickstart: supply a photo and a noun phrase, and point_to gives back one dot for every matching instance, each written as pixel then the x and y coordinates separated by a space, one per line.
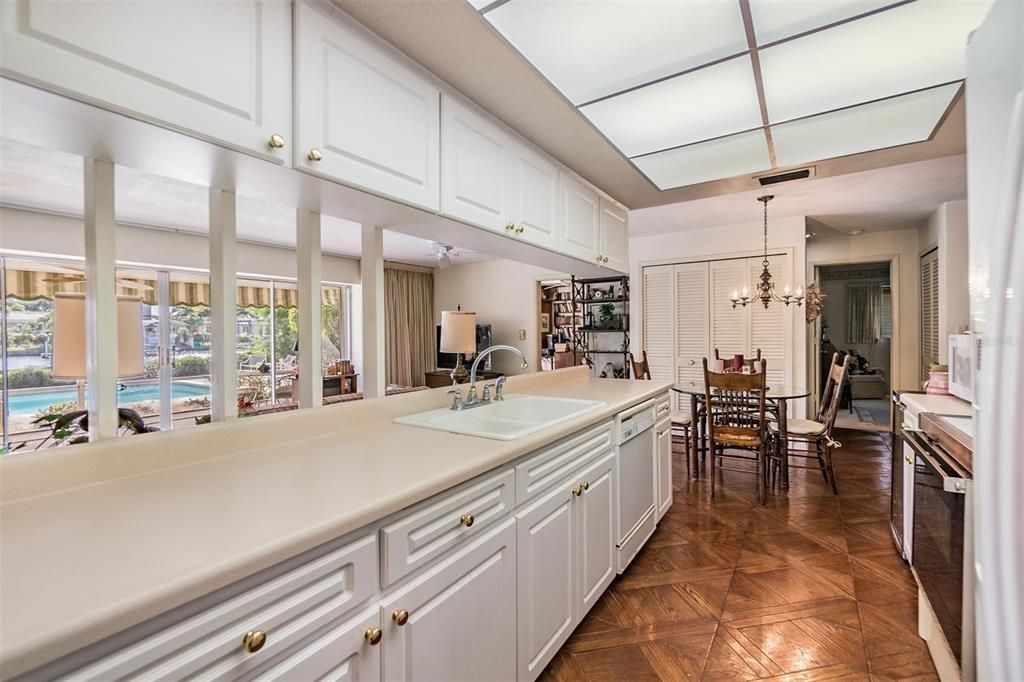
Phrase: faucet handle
pixel 487 391
pixel 457 400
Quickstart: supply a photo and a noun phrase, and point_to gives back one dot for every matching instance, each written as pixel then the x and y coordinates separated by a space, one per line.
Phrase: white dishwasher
pixel 636 461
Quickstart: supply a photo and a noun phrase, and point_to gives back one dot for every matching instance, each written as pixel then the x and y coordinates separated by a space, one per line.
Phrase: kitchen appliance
pixel 943 543
pixel 964 354
pixel 636 461
pixel 995 225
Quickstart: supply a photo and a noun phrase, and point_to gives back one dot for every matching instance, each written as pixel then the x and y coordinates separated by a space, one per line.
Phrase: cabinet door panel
pixel 462 616
pixel 545 567
pixel 579 220
pixel 596 533
pixel 375 121
pixel 475 186
pixel 535 206
pixel 219 70
pixel 664 435
pixel 340 653
pixel 614 236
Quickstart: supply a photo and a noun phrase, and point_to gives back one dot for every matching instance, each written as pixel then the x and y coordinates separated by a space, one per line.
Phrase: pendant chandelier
pixel 766 288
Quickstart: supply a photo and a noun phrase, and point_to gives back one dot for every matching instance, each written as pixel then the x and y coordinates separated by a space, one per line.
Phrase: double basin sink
pixel 514 417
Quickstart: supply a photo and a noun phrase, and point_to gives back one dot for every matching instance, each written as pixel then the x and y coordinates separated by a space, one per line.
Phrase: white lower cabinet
pixel 459 617
pixel 663 446
pixel 566 560
pixel 346 652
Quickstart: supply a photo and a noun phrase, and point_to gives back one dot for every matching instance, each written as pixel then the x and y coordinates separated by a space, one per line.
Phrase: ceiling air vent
pixel 798 174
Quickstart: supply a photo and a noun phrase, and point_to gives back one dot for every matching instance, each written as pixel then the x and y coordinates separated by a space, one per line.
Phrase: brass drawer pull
pixel 578 490
pixel 400 616
pixel 275 141
pixel 585 485
pixel 254 640
pixel 315 154
pixel 466 520
pixel 373 636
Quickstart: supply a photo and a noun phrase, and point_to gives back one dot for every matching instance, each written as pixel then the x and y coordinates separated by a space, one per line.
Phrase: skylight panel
pixel 905 48
pixel 593 49
pixel 713 160
pixel 888 123
pixel 710 102
pixel 774 20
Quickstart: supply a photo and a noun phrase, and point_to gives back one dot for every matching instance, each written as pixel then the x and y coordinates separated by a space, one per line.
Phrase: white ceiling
pixel 888 198
pixel 678 86
pixel 47 180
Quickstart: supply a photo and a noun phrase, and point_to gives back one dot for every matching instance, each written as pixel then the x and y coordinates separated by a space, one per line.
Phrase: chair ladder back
pixel 826 391
pixel 732 397
pixel 641 369
pixel 836 377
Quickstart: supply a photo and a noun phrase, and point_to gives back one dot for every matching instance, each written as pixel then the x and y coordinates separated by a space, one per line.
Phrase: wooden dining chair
pixel 701 412
pixel 732 425
pixel 680 419
pixel 817 431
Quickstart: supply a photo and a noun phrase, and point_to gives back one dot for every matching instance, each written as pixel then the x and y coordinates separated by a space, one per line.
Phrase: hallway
pixel 809 587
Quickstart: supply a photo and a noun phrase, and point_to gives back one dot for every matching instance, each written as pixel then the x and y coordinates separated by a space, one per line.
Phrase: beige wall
pixel 502 293
pixel 63 236
pixel 902 248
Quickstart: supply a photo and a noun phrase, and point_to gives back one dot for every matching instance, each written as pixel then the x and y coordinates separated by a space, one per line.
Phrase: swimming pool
pixel 30 403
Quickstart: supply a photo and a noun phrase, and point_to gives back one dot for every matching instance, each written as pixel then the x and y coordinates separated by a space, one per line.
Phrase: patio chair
pixel 254 362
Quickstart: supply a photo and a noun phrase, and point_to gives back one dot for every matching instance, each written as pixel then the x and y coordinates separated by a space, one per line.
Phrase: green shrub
pixel 56 408
pixel 33 377
pixel 191 365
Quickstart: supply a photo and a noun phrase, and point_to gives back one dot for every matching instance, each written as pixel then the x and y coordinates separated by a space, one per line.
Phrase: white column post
pixel 100 299
pixel 371 276
pixel 311 385
pixel 223 302
pixel 166 371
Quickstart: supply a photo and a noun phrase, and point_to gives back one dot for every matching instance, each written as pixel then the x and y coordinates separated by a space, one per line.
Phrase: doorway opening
pixel 556 324
pixel 857 319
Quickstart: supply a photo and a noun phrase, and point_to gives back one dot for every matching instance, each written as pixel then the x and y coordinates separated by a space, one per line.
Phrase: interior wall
pixel 502 293
pixel 835 312
pixel 64 236
pixel 724 242
pixel 902 247
pixel 946 229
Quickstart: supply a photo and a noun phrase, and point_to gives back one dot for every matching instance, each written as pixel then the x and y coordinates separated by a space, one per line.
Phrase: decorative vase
pixel 737 362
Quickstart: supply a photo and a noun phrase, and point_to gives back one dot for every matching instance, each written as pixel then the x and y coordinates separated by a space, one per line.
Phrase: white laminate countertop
pixel 118 544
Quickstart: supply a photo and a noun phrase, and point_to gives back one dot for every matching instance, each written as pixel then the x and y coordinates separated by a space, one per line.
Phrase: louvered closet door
pixel 929 311
pixel 692 318
pixel 659 321
pixel 768 328
pixel 730 329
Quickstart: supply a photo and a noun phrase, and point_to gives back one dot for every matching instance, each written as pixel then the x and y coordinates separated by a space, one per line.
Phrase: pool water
pixel 30 403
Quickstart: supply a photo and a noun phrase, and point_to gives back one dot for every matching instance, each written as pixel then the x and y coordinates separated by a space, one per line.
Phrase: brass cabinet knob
pixel 315 154
pixel 510 227
pixel 275 141
pixel 577 491
pixel 254 640
pixel 373 636
pixel 604 258
pixel 598 259
pixel 466 520
pixel 400 616
pixel 586 485
pixel 520 228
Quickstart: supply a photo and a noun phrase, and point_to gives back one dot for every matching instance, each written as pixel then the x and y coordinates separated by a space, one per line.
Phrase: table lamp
pixel 69 353
pixel 458 335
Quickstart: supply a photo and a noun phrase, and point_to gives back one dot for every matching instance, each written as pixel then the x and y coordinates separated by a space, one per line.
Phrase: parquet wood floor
pixel 809 587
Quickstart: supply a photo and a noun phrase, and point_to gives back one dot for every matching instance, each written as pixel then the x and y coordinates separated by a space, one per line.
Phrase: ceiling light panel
pixel 710 102
pixel 593 49
pixel 774 20
pixel 905 48
pixel 722 158
pixel 891 122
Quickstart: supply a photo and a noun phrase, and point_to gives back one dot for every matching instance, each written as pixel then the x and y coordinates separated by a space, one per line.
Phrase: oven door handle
pixel 950 484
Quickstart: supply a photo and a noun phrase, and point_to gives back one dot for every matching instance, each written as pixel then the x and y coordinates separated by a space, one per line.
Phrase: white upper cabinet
pixel 362 117
pixel 534 215
pixel 614 236
pixel 579 219
pixel 218 70
pixel 475 168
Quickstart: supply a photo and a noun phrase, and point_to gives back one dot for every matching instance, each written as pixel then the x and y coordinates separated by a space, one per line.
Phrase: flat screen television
pixel 483 340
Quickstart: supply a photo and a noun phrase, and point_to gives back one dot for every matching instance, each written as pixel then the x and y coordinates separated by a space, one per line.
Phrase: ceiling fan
pixel 443 253
pixel 64 275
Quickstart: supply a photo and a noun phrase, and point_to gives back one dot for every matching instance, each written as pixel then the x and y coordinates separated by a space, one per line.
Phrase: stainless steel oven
pixel 942 540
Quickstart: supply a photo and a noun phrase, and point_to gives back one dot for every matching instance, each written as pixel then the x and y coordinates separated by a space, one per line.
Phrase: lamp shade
pixel 69 330
pixel 458 332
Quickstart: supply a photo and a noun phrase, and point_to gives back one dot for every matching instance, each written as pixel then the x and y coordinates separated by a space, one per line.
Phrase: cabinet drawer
pixel 556 463
pixel 437 526
pixel 288 608
pixel 663 407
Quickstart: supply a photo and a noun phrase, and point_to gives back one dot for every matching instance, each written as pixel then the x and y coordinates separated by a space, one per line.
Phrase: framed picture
pixel 545 323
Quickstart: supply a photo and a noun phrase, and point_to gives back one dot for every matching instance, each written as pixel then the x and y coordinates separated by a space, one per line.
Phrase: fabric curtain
pixel 864 312
pixel 409 326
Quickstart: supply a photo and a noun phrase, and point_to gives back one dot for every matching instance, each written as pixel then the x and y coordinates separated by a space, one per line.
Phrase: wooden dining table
pixel 778 394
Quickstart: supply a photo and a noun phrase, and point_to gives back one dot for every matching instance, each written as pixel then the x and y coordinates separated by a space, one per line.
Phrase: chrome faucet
pixel 471 399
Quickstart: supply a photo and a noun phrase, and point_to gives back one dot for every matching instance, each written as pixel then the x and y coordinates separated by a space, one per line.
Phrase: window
pixel 885 325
